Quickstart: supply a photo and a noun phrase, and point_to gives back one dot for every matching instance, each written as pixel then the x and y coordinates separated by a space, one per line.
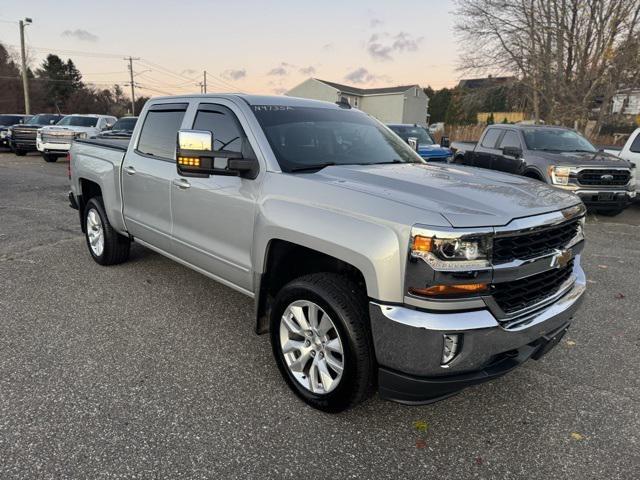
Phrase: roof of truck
pixel 279 100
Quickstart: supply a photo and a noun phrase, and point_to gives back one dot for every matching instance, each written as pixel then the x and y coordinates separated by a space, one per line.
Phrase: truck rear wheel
pixel 106 246
pixel 321 341
pixel 49 158
pixel 20 153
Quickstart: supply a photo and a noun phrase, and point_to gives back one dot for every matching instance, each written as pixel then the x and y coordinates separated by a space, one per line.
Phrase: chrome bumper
pixel 412 341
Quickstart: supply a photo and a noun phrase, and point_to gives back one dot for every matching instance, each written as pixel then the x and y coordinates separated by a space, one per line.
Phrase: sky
pixel 247 46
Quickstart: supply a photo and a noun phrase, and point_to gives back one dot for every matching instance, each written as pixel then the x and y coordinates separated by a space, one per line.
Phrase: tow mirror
pixel 195 157
pixel 445 142
pixel 515 152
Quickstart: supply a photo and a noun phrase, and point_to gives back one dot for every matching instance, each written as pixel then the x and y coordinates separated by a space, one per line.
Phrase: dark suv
pixel 23 137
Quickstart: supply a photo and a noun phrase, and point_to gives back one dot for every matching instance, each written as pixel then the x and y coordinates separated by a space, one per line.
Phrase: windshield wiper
pixel 318 166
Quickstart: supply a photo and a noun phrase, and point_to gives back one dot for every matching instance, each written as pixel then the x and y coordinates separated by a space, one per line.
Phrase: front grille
pixel 57 137
pixel 534 243
pixel 22 134
pixel 611 177
pixel 514 296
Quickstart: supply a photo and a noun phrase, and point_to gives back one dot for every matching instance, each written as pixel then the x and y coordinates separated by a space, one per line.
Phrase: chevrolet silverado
pixel 369 268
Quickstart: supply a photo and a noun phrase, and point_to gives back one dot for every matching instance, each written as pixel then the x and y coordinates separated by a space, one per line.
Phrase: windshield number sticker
pixel 271 108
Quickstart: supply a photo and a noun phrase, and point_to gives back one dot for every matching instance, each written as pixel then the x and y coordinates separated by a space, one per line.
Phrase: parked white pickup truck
pixel 630 152
pixel 368 266
pixel 54 141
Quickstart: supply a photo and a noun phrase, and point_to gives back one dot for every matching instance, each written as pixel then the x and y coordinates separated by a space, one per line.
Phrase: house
pixel 626 102
pixel 490 81
pixel 403 104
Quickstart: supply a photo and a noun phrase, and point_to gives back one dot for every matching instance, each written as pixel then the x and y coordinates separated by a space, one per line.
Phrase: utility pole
pixel 25 80
pixel 133 90
pixel 205 82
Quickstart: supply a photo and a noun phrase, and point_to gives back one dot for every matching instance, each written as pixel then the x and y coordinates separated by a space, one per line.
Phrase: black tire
pixel 347 306
pixel 19 153
pixel 116 246
pixel 49 158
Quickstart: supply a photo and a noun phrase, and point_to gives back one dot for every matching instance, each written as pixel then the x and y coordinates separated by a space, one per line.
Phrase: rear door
pixel 486 149
pixel 213 217
pixel 507 163
pixel 147 172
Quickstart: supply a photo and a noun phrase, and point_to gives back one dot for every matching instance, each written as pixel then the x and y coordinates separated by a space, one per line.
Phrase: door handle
pixel 181 183
pixel 129 170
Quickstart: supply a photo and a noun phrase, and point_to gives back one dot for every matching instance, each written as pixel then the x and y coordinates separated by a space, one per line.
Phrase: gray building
pixel 403 104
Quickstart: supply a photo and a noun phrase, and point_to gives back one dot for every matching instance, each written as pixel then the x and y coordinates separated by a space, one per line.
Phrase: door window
pixel 635 146
pixel 490 138
pixel 159 133
pixel 510 139
pixel 227 133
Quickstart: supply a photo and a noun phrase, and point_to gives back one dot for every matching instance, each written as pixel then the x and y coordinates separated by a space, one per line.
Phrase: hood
pixel 430 151
pixel 53 128
pixel 28 127
pixel 464 196
pixel 580 159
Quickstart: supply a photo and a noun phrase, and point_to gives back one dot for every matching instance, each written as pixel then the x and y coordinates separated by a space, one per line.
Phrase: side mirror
pixel 108 126
pixel 413 143
pixel 195 157
pixel 52 122
pixel 445 142
pixel 515 152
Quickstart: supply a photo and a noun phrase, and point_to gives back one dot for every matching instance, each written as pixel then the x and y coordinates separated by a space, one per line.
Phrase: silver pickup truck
pixel 369 268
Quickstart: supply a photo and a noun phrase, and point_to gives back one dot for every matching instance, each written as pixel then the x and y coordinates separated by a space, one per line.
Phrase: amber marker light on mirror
pixel 445 290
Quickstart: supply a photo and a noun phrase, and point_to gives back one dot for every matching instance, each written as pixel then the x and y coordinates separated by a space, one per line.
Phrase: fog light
pixel 450 347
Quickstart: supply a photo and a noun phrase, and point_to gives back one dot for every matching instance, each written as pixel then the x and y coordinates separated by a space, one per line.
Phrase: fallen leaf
pixel 619 296
pixel 576 436
pixel 421 443
pixel 571 343
pixel 591 281
pixel 603 266
pixel 421 425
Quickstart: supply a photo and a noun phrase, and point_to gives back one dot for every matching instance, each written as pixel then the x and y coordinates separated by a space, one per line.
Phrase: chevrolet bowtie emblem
pixel 606 177
pixel 561 259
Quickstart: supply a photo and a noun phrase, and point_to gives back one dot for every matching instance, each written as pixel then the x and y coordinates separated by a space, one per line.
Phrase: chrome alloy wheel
pixel 95 232
pixel 311 347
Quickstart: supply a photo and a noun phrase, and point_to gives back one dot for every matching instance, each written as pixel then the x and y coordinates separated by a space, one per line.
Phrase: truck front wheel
pixel 107 247
pixel 49 158
pixel 321 341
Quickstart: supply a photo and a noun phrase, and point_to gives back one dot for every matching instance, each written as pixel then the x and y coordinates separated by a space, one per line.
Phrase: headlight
pixel 81 135
pixel 451 250
pixel 3 134
pixel 9 133
pixel 39 135
pixel 560 175
pixel 634 176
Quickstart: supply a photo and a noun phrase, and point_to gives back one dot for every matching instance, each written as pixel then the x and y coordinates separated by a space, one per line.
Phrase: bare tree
pixel 568 53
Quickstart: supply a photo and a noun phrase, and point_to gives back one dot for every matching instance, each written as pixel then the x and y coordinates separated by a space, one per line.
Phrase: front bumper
pixel 606 198
pixel 25 145
pixel 409 345
pixel 61 148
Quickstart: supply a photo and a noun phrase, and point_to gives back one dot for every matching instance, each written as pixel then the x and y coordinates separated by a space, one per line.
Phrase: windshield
pixel 556 140
pixel 125 124
pixel 44 119
pixel 10 119
pixel 308 137
pixel 406 132
pixel 73 121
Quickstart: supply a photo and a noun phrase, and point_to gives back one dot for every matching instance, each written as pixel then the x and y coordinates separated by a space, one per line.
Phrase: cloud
pixel 310 70
pixel 361 75
pixel 382 46
pixel 188 71
pixel 234 74
pixel 375 22
pixel 279 71
pixel 327 47
pixel 81 35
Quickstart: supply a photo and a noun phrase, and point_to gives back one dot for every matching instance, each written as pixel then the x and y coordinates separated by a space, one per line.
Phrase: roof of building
pixel 483 82
pixel 367 91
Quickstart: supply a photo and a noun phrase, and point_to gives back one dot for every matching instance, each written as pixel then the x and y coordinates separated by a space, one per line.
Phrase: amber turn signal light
pixel 422 244
pixel 444 290
pixel 189 161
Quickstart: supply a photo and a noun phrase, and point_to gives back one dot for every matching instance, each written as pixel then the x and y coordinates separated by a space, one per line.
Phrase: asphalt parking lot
pixel 115 373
